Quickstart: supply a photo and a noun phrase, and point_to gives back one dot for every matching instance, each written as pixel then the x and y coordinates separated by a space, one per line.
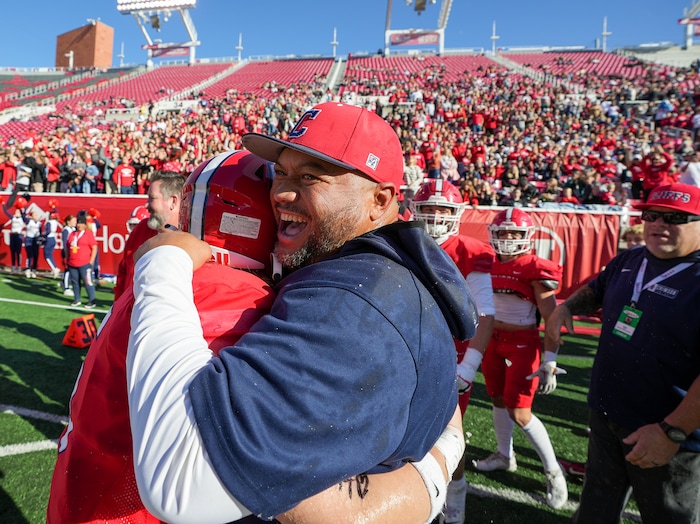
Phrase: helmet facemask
pixel 511 246
pixel 512 220
pixel 438 194
pixel 440 226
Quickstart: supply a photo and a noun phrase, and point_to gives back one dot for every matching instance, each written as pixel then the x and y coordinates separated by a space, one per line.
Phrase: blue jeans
pixel 82 274
pixel 49 248
pixel 670 493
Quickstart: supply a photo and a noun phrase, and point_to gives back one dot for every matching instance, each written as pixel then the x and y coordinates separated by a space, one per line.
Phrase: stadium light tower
pixel 156 12
pixel 239 47
pixel 494 37
pixel 120 56
pixel 334 43
pixel 605 34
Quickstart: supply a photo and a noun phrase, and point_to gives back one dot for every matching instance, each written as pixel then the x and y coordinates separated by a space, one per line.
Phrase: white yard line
pixel 29 447
pixel 60 306
pixel 512 495
pixel 527 498
pixel 31 413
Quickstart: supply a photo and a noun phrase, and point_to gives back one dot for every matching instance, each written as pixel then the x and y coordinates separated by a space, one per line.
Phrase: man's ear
pixel 385 202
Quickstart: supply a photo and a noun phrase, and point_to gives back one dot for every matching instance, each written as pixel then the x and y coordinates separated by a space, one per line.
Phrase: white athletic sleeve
pixel 480 286
pixel 166 350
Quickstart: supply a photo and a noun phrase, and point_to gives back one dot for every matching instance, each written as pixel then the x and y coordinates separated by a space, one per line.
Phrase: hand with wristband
pixel 547 373
pixel 451 444
pixel 467 368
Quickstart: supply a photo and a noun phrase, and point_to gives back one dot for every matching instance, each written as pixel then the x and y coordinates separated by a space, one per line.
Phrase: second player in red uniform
pixel 523 285
pixel 439 205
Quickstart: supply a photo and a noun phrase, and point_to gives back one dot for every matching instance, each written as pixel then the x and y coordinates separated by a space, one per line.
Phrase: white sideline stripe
pixel 512 495
pixel 31 413
pixel 59 306
pixel 527 498
pixel 29 447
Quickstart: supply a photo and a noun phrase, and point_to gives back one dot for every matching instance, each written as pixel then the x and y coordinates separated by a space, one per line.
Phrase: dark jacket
pixel 362 378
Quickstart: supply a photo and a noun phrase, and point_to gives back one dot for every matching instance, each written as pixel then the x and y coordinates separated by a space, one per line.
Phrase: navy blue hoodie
pixel 352 371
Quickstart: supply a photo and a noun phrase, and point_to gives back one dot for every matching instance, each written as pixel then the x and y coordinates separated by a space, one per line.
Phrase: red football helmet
pixel 137 215
pixel 514 220
pixel 226 203
pixel 437 192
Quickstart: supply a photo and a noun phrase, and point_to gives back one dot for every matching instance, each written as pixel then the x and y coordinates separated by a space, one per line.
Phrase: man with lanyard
pixel 644 394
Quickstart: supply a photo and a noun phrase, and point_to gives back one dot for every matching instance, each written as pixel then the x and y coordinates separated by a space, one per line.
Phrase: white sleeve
pixel 480 286
pixel 166 350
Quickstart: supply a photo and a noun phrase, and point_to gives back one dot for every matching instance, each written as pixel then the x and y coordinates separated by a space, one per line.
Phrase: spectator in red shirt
pixel 567 196
pixel 125 176
pixel 8 170
pixel 477 121
pixel 655 167
pixel 478 151
pixel 459 151
pixel 82 250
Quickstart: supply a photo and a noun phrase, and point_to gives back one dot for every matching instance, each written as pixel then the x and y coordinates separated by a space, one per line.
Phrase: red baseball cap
pixel 679 197
pixel 343 135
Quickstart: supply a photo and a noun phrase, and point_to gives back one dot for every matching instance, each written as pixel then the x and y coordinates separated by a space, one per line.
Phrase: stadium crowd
pixel 503 138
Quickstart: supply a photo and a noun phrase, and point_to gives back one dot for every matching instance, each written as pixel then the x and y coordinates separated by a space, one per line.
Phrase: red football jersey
pixel 517 275
pixel 94 480
pixel 469 254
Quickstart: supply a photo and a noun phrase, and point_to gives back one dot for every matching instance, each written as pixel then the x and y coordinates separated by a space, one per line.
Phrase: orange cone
pixel 81 332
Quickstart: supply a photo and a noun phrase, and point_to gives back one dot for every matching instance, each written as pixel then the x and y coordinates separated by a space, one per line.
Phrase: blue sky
pixel 302 27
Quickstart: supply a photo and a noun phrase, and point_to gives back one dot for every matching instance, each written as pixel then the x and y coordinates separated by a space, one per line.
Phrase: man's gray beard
pixel 333 233
pixel 156 222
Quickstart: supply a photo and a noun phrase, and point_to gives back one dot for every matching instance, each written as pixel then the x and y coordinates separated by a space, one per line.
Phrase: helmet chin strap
pixel 437 230
pixel 510 247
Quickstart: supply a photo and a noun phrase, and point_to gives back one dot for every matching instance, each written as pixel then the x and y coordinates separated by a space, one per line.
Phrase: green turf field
pixel 37 374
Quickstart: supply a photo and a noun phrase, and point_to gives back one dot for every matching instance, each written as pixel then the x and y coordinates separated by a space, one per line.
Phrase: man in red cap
pixel 351 372
pixel 644 395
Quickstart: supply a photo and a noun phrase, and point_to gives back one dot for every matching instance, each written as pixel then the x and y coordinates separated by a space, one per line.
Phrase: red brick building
pixel 92 46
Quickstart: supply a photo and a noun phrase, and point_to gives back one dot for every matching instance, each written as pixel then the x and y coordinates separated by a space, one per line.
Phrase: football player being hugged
pixel 439 204
pixel 523 286
pixel 225 202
